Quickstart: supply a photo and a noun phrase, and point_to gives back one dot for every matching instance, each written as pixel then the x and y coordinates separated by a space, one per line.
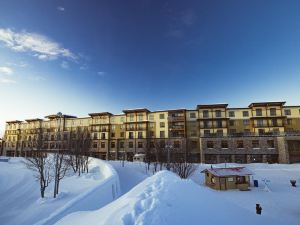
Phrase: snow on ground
pixel 164 199
pixel 160 199
pixel 20 196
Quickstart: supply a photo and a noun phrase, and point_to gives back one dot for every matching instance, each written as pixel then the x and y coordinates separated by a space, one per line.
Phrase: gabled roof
pixel 14 121
pixel 228 172
pixel 55 116
pixel 255 104
pixel 100 114
pixel 136 110
pixel 32 120
pixel 208 106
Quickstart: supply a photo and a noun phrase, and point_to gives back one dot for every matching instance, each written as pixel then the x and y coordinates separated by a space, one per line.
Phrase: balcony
pixel 177 118
pixel 177 127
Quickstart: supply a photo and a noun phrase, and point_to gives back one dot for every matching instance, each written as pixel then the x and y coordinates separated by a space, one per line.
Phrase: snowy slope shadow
pixel 166 199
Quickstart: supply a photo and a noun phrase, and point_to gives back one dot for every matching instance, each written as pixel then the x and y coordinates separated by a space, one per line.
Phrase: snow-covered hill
pixel 21 202
pixel 161 199
pixel 166 199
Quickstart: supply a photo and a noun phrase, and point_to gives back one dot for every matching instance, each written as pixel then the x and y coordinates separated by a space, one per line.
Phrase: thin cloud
pixel 39 45
pixel 6 70
pixel 101 73
pixel 7 81
pixel 60 8
pixel 65 65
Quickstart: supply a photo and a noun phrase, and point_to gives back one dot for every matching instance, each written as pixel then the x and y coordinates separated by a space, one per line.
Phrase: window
pixel 151 117
pixel 210 144
pixel 260 123
pixel 176 144
pixel 218 113
pixel 113 127
pixel 270 143
pixel 289 121
pixel 162 134
pixel 161 116
pixel 113 144
pixel 102 144
pixel 206 132
pixel 205 114
pixel 130 135
pixel 162 124
pixel 230 179
pixel 141 117
pixel 245 113
pixel 232 131
pixel 130 144
pixel 102 135
pixel 122 134
pixel 193 115
pixel 213 180
pixel 274 122
pixel 205 124
pixel 287 112
pixel 255 144
pixel 240 180
pixel 258 112
pixel 240 144
pixel 122 119
pixel 131 118
pixel 231 122
pixel 113 134
pixel 140 134
pixel 246 122
pixel 95 136
pixel 219 123
pixel 273 111
pixel 140 144
pixel 224 144
pixel 151 133
pixel 231 114
pixel 219 133
pixel 121 144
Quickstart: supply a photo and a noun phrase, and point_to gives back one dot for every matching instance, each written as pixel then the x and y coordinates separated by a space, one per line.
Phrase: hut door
pixel 222 183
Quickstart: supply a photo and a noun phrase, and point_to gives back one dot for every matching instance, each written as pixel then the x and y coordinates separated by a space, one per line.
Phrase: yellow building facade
pixel 212 133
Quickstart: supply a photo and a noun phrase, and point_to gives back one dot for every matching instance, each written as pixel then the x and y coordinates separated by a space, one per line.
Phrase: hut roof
pixel 228 172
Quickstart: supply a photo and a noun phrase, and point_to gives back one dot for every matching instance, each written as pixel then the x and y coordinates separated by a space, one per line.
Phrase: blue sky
pixel 88 56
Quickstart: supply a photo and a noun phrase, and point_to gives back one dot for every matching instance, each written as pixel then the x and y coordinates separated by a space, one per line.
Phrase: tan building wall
pixel 131 131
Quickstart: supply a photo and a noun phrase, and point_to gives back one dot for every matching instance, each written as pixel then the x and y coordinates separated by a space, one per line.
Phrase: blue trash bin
pixel 255 183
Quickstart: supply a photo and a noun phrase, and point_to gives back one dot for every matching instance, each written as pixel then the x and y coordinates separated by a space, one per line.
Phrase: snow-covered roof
pixel 226 172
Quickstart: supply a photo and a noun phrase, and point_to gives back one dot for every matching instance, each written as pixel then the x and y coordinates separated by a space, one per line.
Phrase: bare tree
pixel 61 168
pixel 79 154
pixel 42 166
pixel 180 165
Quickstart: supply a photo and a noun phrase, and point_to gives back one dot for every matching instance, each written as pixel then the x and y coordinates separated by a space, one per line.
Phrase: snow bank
pixel 20 196
pixel 106 191
pixel 164 198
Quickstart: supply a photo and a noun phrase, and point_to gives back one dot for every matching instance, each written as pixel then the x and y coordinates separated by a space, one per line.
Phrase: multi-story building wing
pixel 211 133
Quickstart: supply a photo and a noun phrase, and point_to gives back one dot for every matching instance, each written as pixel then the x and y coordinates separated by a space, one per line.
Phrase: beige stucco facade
pixel 263 131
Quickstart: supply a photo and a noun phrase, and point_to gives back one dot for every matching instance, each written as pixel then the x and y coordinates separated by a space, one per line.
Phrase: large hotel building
pixel 215 133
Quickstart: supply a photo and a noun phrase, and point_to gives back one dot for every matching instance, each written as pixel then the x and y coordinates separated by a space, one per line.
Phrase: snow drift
pixel 164 198
pixel 21 202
